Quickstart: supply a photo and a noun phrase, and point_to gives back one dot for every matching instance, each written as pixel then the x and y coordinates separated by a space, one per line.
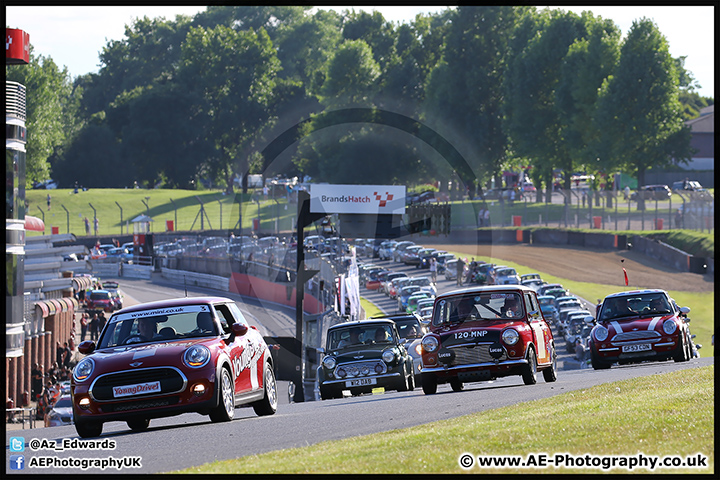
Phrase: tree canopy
pixel 190 98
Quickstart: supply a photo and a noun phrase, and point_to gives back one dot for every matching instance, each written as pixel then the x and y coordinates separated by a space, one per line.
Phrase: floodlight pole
pixel 121 217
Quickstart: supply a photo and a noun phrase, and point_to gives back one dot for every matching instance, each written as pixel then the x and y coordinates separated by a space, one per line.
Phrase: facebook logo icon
pixel 17 462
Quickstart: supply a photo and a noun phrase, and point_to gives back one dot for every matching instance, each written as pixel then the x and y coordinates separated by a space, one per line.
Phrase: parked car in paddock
pixel 114 288
pixel 363 355
pixel 652 192
pixel 549 311
pixel 425 283
pixel 405 293
pixel 414 299
pixel 99 300
pixel 639 325
pixel 385 252
pixel 411 255
pixel 159 359
pixel 396 286
pixel 399 248
pixel 374 279
pixel 60 413
pixel 442 261
pixel 506 276
pixel 532 280
pixel 577 327
pixel 386 282
pixel 482 333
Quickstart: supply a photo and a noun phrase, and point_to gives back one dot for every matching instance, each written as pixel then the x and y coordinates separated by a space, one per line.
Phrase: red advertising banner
pixel 17 47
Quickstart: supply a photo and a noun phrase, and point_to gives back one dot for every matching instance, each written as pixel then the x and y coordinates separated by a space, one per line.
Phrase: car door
pixel 540 328
pixel 244 350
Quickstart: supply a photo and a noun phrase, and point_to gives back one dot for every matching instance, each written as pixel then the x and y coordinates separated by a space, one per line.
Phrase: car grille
pixel 140 404
pixel 477 354
pixel 354 369
pixel 650 335
pixel 171 381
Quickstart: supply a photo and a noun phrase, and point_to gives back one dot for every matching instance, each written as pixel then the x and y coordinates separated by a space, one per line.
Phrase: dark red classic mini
pixel 170 357
pixel 639 325
pixel 487 332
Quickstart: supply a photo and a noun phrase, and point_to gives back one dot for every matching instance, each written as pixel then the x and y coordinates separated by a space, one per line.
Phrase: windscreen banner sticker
pixel 161 311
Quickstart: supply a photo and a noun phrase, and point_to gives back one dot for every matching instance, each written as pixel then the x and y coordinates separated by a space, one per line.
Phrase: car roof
pixel 362 323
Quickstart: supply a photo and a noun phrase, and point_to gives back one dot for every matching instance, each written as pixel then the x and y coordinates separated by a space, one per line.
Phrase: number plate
pixel 637 348
pixel 361 382
pixel 137 389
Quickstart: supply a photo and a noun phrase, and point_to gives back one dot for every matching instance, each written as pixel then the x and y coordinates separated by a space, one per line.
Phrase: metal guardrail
pixel 184 277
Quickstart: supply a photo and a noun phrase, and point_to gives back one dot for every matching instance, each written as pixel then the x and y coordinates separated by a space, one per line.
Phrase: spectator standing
pixel 678 219
pixel 101 321
pixel 481 217
pixel 87 226
pixel 58 353
pixel 460 271
pixel 433 269
pixel 626 192
pixel 96 223
pixel 66 356
pixel 84 321
pixel 94 324
pixel 487 217
pixel 36 381
pixel 48 200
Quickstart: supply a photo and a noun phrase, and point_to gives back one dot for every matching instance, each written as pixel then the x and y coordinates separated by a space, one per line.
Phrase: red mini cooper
pixel 170 357
pixel 487 332
pixel 639 325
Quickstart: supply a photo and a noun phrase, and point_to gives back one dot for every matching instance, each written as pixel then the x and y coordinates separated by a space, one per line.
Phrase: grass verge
pixel 660 415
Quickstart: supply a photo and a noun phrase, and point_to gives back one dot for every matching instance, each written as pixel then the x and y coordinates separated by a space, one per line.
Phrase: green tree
pixel 533 120
pixel 639 113
pixel 352 75
pixel 589 61
pixel 50 107
pixel 233 74
pixel 464 93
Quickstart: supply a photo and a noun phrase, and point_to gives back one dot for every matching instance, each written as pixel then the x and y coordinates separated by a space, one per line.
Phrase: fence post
pixel 121 217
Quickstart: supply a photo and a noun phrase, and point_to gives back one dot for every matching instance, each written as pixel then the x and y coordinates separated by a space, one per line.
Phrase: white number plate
pixel 361 382
pixel 637 348
pixel 136 389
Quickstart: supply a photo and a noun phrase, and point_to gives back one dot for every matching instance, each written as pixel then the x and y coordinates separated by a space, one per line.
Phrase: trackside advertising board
pixel 365 199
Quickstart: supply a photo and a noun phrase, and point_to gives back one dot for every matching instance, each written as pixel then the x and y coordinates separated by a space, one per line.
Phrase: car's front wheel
pixel 225 410
pixel 682 349
pixel 550 373
pixel 597 364
pixel 456 384
pixel 139 424
pixel 529 374
pixel 268 405
pixel 429 383
pixel 88 429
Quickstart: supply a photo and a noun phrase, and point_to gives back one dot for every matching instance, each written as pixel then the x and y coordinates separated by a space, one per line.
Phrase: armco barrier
pixel 184 277
pixel 663 252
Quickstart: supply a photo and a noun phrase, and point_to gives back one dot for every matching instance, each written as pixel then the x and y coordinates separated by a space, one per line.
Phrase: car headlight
pixel 196 356
pixel 669 326
pixel 510 336
pixel 388 356
pixel 429 344
pixel 329 362
pixel 600 333
pixel 83 369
